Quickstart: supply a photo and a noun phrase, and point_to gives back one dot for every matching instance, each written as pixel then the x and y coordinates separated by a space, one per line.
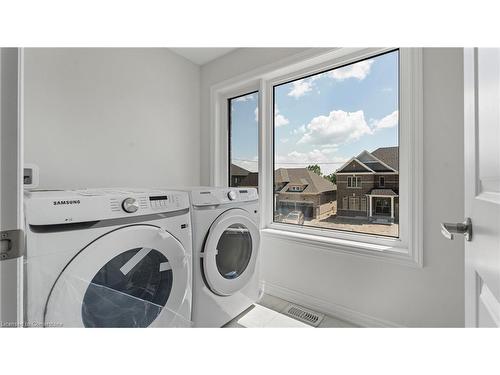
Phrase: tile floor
pixel 267 314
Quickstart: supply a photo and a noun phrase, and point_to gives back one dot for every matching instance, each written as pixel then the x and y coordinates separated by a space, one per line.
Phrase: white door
pixel 11 184
pixel 482 186
pixel 134 277
pixel 231 252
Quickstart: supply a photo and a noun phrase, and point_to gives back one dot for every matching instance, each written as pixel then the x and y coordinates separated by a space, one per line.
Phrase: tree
pixel 316 169
pixel 331 177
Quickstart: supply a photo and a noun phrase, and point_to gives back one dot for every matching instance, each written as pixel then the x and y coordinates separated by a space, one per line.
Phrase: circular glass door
pixel 234 251
pixel 135 276
pixel 117 298
pixel 231 252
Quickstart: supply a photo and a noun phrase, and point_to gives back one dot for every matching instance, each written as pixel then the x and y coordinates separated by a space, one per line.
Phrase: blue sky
pixel 324 119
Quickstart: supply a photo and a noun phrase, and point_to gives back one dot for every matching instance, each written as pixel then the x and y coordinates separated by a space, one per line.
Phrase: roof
pixel 303 176
pixel 383 159
pixel 389 155
pixel 384 192
pixel 238 171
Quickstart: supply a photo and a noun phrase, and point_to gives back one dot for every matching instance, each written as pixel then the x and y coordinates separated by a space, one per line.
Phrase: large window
pixel 243 140
pixel 336 135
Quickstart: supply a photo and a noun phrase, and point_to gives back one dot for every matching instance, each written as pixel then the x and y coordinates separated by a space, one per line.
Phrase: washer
pixel 108 258
pixel 226 242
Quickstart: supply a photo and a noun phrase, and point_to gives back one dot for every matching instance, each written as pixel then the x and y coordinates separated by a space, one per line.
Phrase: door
pixel 136 276
pixel 11 216
pixel 230 252
pixel 482 186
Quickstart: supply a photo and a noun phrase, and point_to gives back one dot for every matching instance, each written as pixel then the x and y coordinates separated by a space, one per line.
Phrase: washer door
pixel 136 276
pixel 231 252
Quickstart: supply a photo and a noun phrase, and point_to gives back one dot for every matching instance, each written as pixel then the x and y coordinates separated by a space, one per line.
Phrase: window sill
pixel 387 253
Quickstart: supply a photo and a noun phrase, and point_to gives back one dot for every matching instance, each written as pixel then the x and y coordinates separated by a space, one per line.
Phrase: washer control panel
pixel 214 196
pixel 60 207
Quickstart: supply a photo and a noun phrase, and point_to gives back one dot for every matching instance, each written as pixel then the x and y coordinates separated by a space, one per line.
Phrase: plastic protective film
pixel 138 288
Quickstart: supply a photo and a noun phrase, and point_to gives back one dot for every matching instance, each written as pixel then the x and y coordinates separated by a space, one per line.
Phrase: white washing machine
pixel 108 258
pixel 226 243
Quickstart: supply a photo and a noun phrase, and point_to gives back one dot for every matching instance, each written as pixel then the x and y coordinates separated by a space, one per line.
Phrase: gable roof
pixel 383 159
pixel 355 166
pixel 388 155
pixel 238 171
pixel 302 176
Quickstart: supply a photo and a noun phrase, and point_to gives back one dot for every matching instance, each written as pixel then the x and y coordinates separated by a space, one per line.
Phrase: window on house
pixel 354 182
pixel 243 140
pixel 338 130
pixel 354 204
pixel 363 204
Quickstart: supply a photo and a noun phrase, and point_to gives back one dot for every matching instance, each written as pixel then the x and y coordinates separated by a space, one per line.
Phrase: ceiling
pixel 202 56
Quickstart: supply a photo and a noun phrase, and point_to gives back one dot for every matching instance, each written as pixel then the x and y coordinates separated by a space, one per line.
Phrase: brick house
pixel 299 189
pixel 368 185
pixel 237 174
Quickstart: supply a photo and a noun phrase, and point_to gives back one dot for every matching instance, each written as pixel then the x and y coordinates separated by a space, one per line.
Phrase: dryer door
pixel 231 252
pixel 135 276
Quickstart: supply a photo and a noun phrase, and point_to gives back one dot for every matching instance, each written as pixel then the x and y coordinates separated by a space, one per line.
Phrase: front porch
pixel 383 206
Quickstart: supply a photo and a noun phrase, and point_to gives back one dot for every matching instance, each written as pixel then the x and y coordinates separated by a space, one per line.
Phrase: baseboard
pixel 327 307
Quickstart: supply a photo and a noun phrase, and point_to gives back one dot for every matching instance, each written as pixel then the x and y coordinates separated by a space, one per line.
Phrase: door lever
pixel 449 229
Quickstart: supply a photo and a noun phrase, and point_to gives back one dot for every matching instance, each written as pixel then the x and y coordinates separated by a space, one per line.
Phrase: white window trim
pixel 408 248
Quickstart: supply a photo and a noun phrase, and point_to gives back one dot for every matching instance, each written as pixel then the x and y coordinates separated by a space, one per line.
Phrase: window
pixel 354 204
pixel 353 182
pixel 243 143
pixel 336 130
pixel 363 204
pixel 374 96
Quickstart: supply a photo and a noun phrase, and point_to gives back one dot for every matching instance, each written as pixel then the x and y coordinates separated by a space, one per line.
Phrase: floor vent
pixel 304 315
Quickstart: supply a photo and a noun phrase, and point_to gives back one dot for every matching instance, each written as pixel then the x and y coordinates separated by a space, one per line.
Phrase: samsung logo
pixel 57 203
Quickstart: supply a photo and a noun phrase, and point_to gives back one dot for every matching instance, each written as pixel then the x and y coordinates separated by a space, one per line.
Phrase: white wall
pixel 431 296
pixel 112 117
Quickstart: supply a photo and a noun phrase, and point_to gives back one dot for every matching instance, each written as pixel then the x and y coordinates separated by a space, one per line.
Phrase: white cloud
pixel 296 159
pixel 279 119
pixel 337 128
pixel 301 87
pixel 245 98
pixel 256 112
pixel 359 71
pixel 386 122
pixel 284 140
pixel 300 130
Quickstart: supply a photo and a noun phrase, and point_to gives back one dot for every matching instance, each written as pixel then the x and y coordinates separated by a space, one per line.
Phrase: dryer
pixel 226 246
pixel 108 258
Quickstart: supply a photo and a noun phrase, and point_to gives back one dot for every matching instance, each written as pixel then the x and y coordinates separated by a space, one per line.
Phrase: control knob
pixel 232 195
pixel 130 205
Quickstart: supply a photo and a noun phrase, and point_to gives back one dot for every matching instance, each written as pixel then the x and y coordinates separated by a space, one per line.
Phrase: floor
pixel 267 314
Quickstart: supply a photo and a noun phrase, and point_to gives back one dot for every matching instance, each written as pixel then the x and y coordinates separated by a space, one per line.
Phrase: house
pixel 237 174
pixel 299 189
pixel 251 180
pixel 368 185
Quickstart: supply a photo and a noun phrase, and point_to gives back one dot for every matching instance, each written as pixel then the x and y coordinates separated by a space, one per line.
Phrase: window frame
pixel 380 179
pixel 221 130
pixel 407 249
pixel 356 185
pixel 228 145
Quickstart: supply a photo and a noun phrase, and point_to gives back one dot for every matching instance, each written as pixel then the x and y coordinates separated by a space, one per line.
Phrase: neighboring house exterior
pixel 251 180
pixel 236 175
pixel 299 189
pixel 368 185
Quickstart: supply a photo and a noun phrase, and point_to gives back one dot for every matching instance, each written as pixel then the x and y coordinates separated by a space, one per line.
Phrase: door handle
pixel 449 229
